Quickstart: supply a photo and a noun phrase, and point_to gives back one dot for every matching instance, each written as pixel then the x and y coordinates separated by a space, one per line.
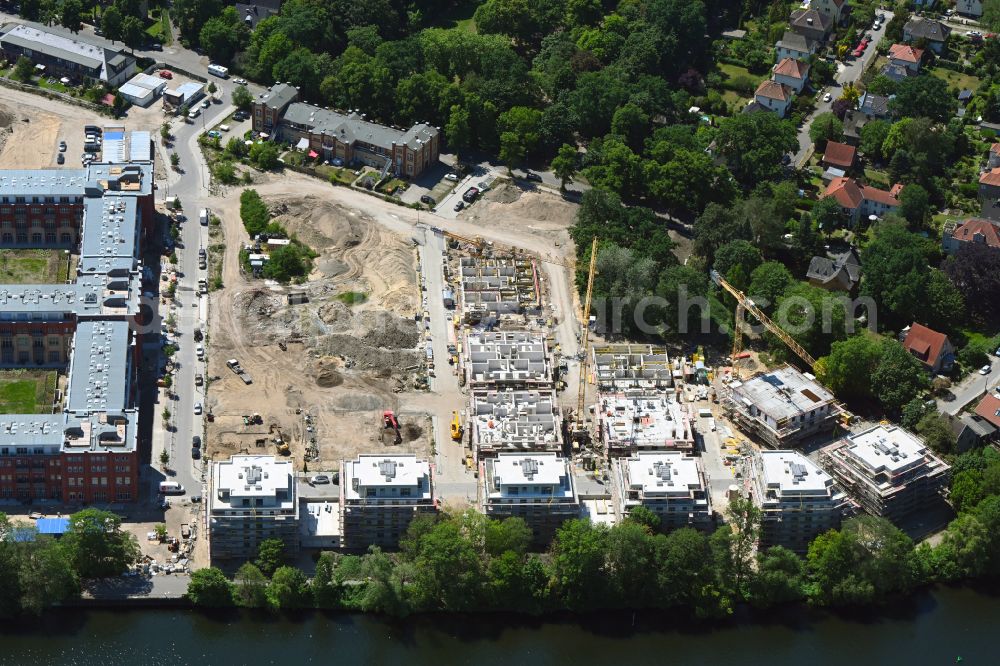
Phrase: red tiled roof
pixel 995 148
pixel 974 226
pixel 905 53
pixel 989 409
pixel 880 196
pixel 896 189
pixel 792 68
pixel 991 177
pixel 839 154
pixel 849 193
pixel 772 90
pixel 925 344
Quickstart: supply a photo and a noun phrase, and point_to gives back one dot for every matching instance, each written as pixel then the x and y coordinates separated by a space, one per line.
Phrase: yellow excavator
pixel 456 427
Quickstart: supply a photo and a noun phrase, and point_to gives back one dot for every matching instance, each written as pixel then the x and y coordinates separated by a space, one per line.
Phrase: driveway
pixel 849 72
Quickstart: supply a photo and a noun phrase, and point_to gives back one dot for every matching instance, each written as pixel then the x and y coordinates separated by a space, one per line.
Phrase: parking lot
pixel 482 179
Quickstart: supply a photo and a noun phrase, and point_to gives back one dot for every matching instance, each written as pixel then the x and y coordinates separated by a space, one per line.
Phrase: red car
pixel 166 74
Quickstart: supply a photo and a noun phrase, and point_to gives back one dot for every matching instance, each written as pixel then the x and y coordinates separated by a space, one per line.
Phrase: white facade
pixel 537 487
pixel 668 483
pixel 636 421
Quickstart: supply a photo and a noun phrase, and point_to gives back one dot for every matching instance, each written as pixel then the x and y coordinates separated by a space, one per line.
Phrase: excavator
pixel 456 427
pixel 389 421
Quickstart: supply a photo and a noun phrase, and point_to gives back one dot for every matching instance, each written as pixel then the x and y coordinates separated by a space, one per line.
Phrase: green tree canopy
pixel 210 587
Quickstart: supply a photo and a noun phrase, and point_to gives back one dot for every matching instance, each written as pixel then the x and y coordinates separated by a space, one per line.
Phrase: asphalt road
pixel 972 388
pixel 848 72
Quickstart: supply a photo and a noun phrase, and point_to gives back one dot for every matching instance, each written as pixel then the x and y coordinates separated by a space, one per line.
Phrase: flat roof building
pixel 798 500
pixel 781 407
pixel 380 495
pixel 671 484
pixel 515 421
pixel 63 53
pixel 493 289
pixel 537 487
pixel 626 366
pixel 252 498
pixel 889 471
pixel 502 359
pixel 634 421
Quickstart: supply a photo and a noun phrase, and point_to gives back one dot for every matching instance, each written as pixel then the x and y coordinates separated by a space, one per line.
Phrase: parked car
pixel 240 82
pixel 985 370
pixel 195 453
pixel 62 146
pixel 427 199
pixel 240 115
pixel 320 478
pixel 207 103
pixel 459 206
pixel 224 128
pixel 60 158
pixel 195 112
pixel 215 134
pixel 197 408
pixel 827 97
pixel 470 194
pixel 196 442
pixel 452 177
pixel 531 175
pixel 166 74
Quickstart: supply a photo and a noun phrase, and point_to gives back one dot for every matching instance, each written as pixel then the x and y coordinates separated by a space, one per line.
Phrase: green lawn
pixel 345 176
pixel 459 17
pixel 352 297
pixel 27 391
pixel 33 266
pixel 956 79
pixel 734 71
pixel 878 178
pixel 731 97
pixel 159 29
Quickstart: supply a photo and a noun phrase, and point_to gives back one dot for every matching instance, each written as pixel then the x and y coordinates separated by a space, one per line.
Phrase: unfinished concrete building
pixel 671 484
pixel 781 407
pixel 634 421
pixel 537 487
pixel 493 288
pixel 797 499
pixel 515 421
pixel 887 470
pixel 507 359
pixel 625 366
pixel 379 497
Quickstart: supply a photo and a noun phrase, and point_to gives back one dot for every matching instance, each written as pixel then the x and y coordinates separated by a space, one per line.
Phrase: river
pixel 942 627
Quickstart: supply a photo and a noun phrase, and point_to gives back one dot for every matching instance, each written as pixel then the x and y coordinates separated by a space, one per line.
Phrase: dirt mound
pixel 411 432
pixel 6 116
pixel 329 379
pixel 505 194
pixel 383 329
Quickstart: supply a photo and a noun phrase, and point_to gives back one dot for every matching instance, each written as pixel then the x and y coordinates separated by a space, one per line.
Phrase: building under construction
pixel 887 470
pixel 508 359
pixel 671 484
pixel 797 499
pixel 493 288
pixel 633 421
pixel 514 421
pixel 780 407
pixel 627 366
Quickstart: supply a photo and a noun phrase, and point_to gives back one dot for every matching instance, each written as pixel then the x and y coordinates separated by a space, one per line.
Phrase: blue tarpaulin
pixel 52 525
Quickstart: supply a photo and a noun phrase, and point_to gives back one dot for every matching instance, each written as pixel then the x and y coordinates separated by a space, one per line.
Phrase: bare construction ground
pixel 349 350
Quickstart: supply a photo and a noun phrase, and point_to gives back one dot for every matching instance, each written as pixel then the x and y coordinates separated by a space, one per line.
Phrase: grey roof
pixel 874 105
pixel 793 41
pixel 929 29
pixel 352 127
pixel 98 370
pixel 800 18
pixel 826 269
pixel 853 122
pixel 255 12
pixel 897 72
pixel 279 96
pixel 977 424
pixel 90 52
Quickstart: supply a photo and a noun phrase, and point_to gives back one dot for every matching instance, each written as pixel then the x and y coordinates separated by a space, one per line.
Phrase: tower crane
pixel 744 305
pixel 579 429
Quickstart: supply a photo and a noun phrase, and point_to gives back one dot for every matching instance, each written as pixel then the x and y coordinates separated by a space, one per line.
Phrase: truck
pixel 203 217
pixel 234 365
pixel 203 286
pixel 219 70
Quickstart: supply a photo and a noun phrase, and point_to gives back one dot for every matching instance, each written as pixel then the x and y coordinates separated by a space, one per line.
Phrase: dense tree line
pixel 38 571
pixel 285 263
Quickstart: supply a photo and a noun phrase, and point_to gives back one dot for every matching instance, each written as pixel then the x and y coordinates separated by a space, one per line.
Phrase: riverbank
pixel 937 627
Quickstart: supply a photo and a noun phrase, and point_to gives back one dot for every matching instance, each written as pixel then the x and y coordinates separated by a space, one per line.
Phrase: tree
pixel 736 260
pixel 242 98
pixel 914 204
pixel 23 69
pixel 716 226
pixel 164 458
pixel 896 273
pixel 133 32
pixel 325 589
pixel 923 96
pixel 289 588
pixel 936 432
pixel 458 131
pixel 219 37
pixel 253 212
pixel 578 564
pixel 111 23
pixel 975 271
pixel 250 587
pixel 826 127
pixel 46 575
pixel 97 546
pixel 811 315
pixel 264 155
pixel 736 541
pixel 964 549
pixel 991 14
pixel 873 136
pixel 287 262
pixel 209 587
pixel 754 144
pixel 564 165
pixel 631 123
pixel 643 516
pixel 898 377
pixel 779 579
pixel 509 534
pixel 175 160
pixel 270 555
pixel 680 287
pixel 71 15
pixel 768 282
pixel 847 369
pixel 447 569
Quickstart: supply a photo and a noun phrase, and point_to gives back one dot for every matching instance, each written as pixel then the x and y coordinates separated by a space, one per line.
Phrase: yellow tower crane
pixel 579 429
pixel 744 305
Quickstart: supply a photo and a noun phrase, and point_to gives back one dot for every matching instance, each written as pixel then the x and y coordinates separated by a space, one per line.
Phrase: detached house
pixel 794 45
pixel 906 56
pixel 857 200
pixel 973 230
pixel 774 97
pixel 993 161
pixel 839 155
pixel 989 193
pixel 934 32
pixel 970 8
pixel 838 274
pixel 835 9
pixel 933 349
pixel 792 73
pixel 989 408
pixel 811 23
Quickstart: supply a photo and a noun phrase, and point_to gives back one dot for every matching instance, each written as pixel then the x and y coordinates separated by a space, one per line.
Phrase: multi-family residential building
pixel 345 137
pixel 84 448
pixel 537 487
pixel 251 499
pixel 507 359
pixel 671 484
pixel 971 8
pixel 629 422
pixel 63 53
pixel 781 407
pixel 797 499
pixel 621 367
pixel 838 273
pixel 514 421
pixel 858 201
pixel 380 495
pixel 887 470
pixel 255 11
pixel 989 194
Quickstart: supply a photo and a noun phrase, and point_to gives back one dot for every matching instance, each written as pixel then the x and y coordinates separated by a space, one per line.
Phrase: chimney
pixel 809 21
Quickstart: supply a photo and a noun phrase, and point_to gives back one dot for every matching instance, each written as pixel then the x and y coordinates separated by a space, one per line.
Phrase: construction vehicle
pixel 234 365
pixel 389 421
pixel 579 429
pixel 744 305
pixel 279 441
pixel 456 427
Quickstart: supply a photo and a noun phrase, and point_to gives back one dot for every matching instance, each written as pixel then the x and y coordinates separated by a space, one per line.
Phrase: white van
pixel 705 413
pixel 203 217
pixel 218 70
pixel 171 488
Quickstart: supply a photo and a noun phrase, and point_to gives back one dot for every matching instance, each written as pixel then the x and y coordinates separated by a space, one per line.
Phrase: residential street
pixel 846 73
pixel 971 389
